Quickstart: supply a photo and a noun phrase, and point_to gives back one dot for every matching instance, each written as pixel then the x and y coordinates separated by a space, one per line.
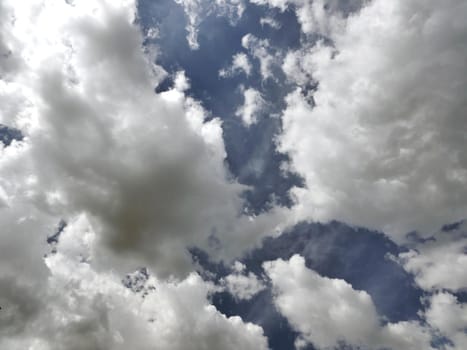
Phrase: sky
pixel 233 174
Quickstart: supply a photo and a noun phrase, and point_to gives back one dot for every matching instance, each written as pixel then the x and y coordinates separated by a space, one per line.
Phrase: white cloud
pixel 315 16
pixel 450 317
pixel 252 105
pixel 439 263
pixel 270 22
pixel 242 286
pixel 87 309
pixel 240 62
pixel 181 82
pixel 329 311
pixel 261 50
pixel 381 146
pixel 197 10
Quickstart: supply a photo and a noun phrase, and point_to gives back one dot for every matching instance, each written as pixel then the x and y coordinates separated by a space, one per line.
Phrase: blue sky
pixel 257 174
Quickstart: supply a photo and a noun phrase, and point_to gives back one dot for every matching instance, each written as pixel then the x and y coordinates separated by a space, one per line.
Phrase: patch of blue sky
pixel 251 154
pixel 7 135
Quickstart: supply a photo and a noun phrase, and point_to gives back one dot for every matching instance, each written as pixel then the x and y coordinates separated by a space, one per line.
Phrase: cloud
pixel 88 309
pixel 439 262
pixel 242 286
pixel 146 169
pixel 138 177
pixel 262 51
pixel 240 62
pixel 376 125
pixel 197 10
pixel 313 16
pixel 450 318
pixel 318 16
pixel 252 105
pixel 328 312
pixel 270 21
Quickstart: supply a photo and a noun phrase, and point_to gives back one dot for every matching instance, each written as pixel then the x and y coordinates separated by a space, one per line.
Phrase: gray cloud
pixel 146 169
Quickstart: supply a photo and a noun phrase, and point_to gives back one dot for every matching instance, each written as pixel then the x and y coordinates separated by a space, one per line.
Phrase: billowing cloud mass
pixel 329 312
pixel 86 309
pixel 126 191
pixel 377 123
pixel 138 179
pixel 144 168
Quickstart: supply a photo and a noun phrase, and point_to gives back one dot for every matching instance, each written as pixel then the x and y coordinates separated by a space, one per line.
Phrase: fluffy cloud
pixel 252 105
pixel 138 177
pixel 379 137
pixel 439 262
pixel 145 168
pixel 263 52
pixel 240 62
pixel 328 312
pixel 242 286
pixel 270 22
pixel 450 318
pixel 87 309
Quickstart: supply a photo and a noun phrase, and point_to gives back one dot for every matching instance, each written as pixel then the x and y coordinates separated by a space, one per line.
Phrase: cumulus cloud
pixel 145 168
pixel 450 318
pixel 252 105
pixel 139 178
pixel 270 22
pixel 439 262
pixel 242 286
pixel 376 126
pixel 240 63
pixel 329 312
pixel 263 52
pixel 317 16
pixel 87 309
